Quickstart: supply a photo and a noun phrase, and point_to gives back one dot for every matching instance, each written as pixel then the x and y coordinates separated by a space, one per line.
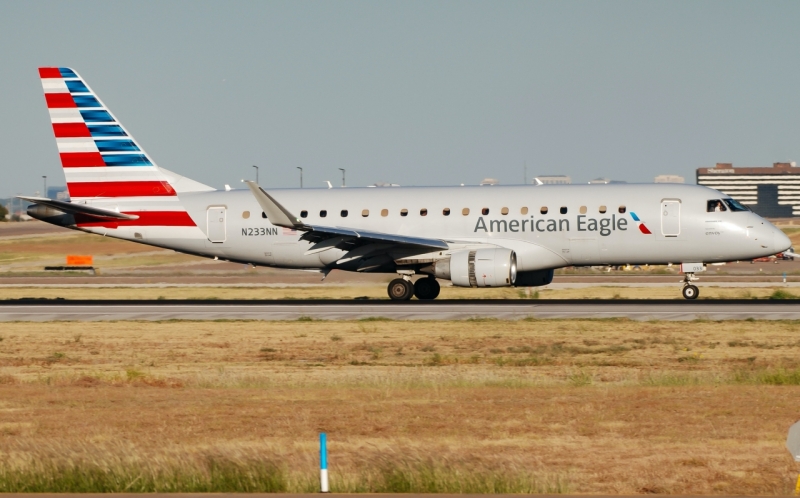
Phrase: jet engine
pixel 494 267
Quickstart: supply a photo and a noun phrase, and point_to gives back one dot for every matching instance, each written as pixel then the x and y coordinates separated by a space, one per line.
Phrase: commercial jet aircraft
pixel 495 236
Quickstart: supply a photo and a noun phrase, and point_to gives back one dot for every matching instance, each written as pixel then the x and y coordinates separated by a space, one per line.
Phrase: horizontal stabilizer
pixel 73 208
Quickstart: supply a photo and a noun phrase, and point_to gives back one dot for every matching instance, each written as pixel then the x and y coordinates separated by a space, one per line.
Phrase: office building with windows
pixel 772 192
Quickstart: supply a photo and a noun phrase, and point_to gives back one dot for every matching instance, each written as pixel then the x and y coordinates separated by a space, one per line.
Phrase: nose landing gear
pixel 690 291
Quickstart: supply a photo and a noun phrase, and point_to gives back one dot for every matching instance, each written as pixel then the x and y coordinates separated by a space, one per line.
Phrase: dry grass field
pixel 585 406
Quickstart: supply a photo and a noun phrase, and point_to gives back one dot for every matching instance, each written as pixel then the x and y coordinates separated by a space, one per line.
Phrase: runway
pixel 48 310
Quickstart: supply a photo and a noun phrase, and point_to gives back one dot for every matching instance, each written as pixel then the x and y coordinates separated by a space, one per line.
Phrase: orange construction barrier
pixel 73 260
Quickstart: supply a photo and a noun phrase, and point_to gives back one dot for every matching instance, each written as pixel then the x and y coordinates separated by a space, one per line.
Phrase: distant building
pixel 669 179
pixel 384 184
pixel 490 181
pixel 553 179
pixel 58 193
pixel 770 192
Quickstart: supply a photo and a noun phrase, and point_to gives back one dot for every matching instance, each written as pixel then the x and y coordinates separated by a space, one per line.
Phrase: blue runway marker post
pixel 323 463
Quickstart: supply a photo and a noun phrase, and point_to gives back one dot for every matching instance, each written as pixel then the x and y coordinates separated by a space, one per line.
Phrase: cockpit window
pixel 715 206
pixel 735 205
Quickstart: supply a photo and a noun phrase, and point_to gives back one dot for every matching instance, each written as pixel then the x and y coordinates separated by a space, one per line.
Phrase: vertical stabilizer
pixel 100 158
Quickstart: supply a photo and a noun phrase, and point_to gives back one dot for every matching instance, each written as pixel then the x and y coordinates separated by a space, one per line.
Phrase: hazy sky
pixel 415 93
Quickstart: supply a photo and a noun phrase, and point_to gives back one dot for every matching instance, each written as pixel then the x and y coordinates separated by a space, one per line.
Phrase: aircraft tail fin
pixel 100 158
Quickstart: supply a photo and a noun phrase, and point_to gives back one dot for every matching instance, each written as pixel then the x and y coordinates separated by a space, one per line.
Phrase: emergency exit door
pixel 216 224
pixel 670 218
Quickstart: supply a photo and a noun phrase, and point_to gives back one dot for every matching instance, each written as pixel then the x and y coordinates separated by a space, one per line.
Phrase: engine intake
pixel 494 267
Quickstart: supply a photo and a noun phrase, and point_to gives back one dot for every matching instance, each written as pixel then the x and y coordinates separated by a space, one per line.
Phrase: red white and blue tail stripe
pixel 99 156
pixel 102 162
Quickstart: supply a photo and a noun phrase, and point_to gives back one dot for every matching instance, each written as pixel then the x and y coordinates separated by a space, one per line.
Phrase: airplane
pixel 473 236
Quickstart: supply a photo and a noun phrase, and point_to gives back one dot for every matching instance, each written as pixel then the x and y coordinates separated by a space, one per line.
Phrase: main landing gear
pixel 402 289
pixel 690 291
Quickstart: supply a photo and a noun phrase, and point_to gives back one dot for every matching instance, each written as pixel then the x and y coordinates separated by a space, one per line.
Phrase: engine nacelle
pixel 494 267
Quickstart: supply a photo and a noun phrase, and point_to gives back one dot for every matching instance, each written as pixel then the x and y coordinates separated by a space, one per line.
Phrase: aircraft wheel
pixel 691 292
pixel 426 288
pixel 400 290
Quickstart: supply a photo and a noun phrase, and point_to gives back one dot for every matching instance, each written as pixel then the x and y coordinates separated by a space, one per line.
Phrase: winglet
pixel 277 214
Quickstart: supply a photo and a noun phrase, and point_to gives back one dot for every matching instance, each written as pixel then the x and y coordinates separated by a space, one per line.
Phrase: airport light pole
pixel 301 176
pixel 44 193
pixel 256 167
pixel 342 170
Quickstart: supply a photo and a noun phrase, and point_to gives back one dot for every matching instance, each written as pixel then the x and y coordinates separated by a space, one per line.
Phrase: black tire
pixel 426 288
pixel 400 290
pixel 691 292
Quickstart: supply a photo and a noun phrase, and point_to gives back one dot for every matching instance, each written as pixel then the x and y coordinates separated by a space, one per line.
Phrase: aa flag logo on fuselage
pixel 642 227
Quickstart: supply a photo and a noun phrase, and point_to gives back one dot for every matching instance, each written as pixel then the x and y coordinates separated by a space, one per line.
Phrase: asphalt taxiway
pixel 47 310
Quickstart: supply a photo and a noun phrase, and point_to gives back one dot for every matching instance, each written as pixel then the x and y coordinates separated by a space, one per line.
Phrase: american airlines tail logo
pixel 642 227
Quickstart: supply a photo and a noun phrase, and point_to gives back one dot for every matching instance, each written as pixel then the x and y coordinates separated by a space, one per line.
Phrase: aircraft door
pixel 670 217
pixel 216 224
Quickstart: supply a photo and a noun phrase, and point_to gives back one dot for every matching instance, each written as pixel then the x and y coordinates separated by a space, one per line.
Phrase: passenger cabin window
pixel 304 214
pixel 735 205
pixel 504 210
pixel 365 212
pixel 384 212
pixel 465 211
pixel 563 209
pixel 622 210
pixel 524 210
pixel 322 213
pixel 543 210
pixel 582 210
pixel 715 206
pixel 446 211
pixel 344 213
pixel 423 212
pixel 245 214
pixel 404 212
pixel 602 210
pixel 485 211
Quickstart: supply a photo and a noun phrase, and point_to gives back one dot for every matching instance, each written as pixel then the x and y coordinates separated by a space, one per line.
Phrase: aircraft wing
pixel 341 237
pixel 75 208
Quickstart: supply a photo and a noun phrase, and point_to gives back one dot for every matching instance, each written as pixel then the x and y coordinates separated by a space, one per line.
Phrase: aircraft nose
pixel 780 241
